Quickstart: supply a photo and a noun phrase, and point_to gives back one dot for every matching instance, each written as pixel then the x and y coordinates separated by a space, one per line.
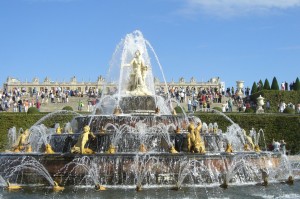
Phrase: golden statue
pixel 174 112
pixel 249 139
pixel 48 149
pixel 246 147
pixel 191 137
pixel 137 85
pixel 12 186
pixel 257 149
pixel 56 187
pixel 199 143
pixel 28 149
pixel 216 128
pixel 229 148
pixel 117 111
pixel 111 149
pixel 21 141
pixel 99 187
pixel 58 130
pixel 79 147
pixel 172 150
pixel 157 110
pixel 142 148
pixel 177 130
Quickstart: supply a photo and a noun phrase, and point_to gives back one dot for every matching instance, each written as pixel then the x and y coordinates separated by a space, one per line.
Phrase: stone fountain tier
pixel 98 122
pixel 131 142
pixel 138 104
pixel 120 169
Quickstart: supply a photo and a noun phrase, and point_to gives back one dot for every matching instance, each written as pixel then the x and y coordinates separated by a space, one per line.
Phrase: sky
pixel 247 40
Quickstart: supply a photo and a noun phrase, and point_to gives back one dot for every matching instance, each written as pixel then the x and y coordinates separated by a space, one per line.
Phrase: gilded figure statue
pixel 21 143
pixel 79 147
pixel 199 143
pixel 137 85
pixel 229 148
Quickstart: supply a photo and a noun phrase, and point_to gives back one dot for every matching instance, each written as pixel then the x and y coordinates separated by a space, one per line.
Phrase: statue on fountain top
pixel 137 85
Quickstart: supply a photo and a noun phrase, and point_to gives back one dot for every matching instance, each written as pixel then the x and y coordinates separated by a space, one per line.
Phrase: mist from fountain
pixel 52 114
pixel 15 171
pixel 85 170
pixel 12 136
pixel 235 137
pixel 120 73
pixel 39 136
pixel 240 170
pixel 142 167
pixel 184 171
pixel 2 182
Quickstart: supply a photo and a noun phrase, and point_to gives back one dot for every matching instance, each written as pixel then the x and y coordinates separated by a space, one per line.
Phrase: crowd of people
pixel 18 100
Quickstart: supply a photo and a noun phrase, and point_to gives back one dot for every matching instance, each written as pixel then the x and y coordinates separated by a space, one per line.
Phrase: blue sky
pixel 232 39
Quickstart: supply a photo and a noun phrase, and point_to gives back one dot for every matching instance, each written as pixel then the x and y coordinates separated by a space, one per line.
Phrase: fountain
pixel 131 137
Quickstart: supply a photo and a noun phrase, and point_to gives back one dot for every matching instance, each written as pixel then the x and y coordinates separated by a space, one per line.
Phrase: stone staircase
pixel 73 102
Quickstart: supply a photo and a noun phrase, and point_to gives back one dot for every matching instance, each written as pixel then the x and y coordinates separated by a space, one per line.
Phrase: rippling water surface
pixel 276 190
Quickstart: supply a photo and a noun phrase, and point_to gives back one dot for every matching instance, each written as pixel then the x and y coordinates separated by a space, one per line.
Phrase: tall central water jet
pixel 132 73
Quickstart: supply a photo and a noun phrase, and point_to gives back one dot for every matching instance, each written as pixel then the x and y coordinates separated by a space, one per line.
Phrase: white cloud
pixel 230 8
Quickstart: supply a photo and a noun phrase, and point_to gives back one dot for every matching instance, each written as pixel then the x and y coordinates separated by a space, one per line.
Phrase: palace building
pixel 12 83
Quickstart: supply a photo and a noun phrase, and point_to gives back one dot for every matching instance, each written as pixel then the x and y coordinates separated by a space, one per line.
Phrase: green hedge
pixel 25 121
pixel 277 126
pixel 275 97
pixel 33 110
pixel 67 108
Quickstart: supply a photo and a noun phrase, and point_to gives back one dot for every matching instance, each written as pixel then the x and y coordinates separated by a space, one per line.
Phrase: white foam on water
pixel 284 196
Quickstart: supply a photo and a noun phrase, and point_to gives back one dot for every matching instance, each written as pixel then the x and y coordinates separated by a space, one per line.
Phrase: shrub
pixel 249 110
pixel 297 85
pixel 178 109
pixel 275 97
pixel 218 108
pixel 254 88
pixel 67 108
pixel 289 110
pixel 33 110
pixel 267 85
pixel 274 85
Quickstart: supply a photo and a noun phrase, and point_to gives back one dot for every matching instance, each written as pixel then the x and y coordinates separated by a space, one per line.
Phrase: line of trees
pixel 274 86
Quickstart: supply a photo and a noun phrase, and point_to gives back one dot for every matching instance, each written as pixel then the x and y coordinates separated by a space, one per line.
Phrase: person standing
pixel 189 105
pixel 20 105
pixel 38 104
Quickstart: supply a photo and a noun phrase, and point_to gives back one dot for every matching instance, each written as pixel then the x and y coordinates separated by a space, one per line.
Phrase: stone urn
pixel 260 103
pixel 240 86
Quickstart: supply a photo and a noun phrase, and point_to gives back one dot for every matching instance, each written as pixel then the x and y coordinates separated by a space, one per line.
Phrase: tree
pixel 297 85
pixel 254 88
pixel 274 85
pixel 261 85
pixel 267 85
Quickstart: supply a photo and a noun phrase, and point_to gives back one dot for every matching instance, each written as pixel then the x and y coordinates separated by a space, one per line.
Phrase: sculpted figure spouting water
pixel 79 147
pixel 137 85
